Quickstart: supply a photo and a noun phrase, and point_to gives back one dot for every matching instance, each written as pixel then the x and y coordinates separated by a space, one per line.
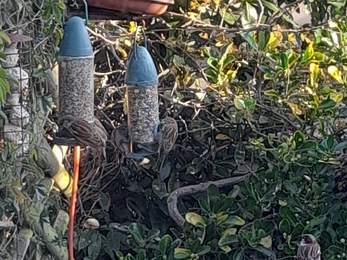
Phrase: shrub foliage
pixel 261 108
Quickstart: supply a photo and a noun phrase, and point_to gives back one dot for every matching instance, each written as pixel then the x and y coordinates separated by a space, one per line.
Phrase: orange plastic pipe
pixel 76 170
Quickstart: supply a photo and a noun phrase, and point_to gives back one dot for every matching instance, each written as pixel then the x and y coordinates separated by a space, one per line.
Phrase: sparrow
pixel 166 139
pixel 309 249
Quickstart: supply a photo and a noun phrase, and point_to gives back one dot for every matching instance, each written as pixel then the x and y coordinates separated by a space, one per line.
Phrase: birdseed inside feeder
pixel 142 99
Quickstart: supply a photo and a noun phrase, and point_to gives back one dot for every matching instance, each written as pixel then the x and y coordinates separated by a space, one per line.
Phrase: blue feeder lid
pixel 141 70
pixel 75 42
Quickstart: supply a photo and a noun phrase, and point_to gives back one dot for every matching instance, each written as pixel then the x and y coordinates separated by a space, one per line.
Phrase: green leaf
pixel 238 254
pixel 61 5
pixel 288 158
pixel 2 56
pixel 129 257
pixel 227 61
pixel 298 230
pixel 137 232
pixel 284 61
pixel 159 188
pixel 239 103
pixel 4 154
pixel 228 17
pixel 319 56
pixel 203 250
pixel 233 220
pixel 120 255
pixel 284 226
pixel 212 74
pixel 195 219
pixel 182 253
pixel 330 142
pixel 308 54
pixel 3 115
pixel 165 244
pixel 317 221
pixel 204 205
pixel 178 61
pixel 340 146
pixel 141 255
pixel 285 212
pixel 266 251
pixel 282 149
pixel 249 38
pixel 213 63
pixel 263 37
pixel 5 37
pixel 342 232
pixel 212 191
pixel 308 145
pixel 235 191
pixel 105 201
pixel 268 226
pixel 153 234
pixel 331 252
pixel 4 88
pixel 272 93
pixel 250 16
pixel 113 240
pixel 228 237
pixel 265 69
pixel 327 104
pixel 250 103
pixel 270 5
pixel 299 138
pixel 343 216
pixel 95 247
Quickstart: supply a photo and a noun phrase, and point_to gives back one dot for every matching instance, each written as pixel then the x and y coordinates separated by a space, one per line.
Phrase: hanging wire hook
pixel 75 4
pixel 135 37
pixel 86 11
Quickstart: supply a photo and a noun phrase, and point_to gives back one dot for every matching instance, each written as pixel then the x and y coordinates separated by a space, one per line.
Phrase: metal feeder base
pixel 64 138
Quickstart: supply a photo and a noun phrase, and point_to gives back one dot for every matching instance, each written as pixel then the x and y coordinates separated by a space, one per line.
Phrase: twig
pixel 278 114
pixel 185 104
pixel 6 224
pixel 261 12
pixel 119 227
pixel 192 189
pixel 101 37
pixel 108 73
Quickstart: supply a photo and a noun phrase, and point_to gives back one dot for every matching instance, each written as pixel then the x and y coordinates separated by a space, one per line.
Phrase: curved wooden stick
pixel 191 189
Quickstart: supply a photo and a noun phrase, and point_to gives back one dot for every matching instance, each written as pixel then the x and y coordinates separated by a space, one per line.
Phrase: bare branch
pixel 192 189
pixel 6 224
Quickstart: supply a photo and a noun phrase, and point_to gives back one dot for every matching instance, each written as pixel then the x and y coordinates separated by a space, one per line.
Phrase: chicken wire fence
pixel 23 113
pixel 28 58
pixel 14 128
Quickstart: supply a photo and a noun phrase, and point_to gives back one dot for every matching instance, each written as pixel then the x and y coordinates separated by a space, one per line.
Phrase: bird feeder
pixel 142 99
pixel 76 80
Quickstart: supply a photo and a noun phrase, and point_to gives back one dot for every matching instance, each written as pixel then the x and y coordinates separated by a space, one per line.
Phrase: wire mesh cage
pixel 14 125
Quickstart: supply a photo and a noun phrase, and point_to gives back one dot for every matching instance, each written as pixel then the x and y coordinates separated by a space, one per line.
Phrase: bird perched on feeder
pixel 166 139
pixel 309 249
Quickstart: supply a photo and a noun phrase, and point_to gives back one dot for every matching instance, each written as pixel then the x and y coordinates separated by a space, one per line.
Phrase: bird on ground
pixel 309 249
